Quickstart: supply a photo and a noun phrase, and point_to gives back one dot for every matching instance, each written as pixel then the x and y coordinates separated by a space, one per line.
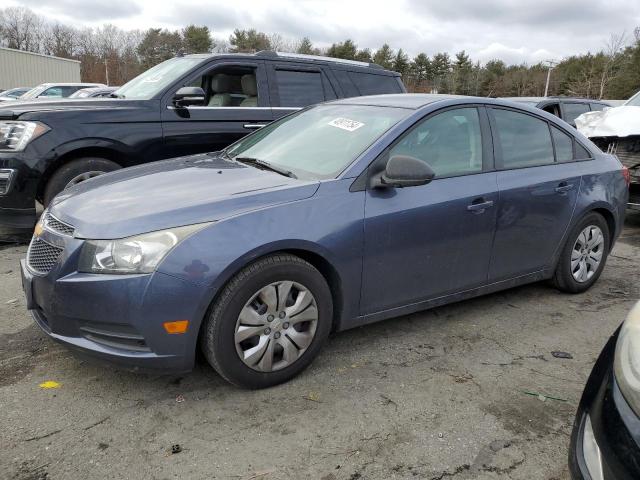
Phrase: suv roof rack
pixel 301 56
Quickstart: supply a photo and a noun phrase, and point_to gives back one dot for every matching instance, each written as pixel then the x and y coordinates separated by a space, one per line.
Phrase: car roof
pixel 70 84
pixel 411 101
pixel 298 57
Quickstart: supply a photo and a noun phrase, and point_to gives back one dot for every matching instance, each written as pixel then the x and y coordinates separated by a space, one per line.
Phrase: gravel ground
pixel 434 395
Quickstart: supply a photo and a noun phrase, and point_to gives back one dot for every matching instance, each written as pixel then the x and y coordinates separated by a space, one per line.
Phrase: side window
pixel 229 86
pixel 573 111
pixel 300 88
pixel 346 83
pixel 55 92
pixel 553 109
pixel 525 141
pixel 563 144
pixel 597 107
pixel 582 153
pixel 372 84
pixel 450 142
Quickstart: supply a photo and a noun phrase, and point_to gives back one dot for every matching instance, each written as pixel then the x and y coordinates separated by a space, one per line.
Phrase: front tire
pixel 269 322
pixel 75 172
pixel 584 255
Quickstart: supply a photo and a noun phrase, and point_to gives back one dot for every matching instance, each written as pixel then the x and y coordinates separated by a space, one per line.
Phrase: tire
pixel 243 294
pixel 564 277
pixel 74 169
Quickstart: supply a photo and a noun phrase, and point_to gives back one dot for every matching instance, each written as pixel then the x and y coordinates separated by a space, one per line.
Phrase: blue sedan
pixel 337 216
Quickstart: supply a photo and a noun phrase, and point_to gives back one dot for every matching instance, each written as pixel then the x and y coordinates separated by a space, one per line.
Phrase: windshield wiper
pixel 265 166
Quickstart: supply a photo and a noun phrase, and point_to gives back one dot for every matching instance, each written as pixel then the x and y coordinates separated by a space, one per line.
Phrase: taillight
pixel 627 175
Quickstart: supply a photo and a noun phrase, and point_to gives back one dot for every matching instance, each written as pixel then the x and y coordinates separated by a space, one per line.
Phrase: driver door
pixel 432 240
pixel 199 129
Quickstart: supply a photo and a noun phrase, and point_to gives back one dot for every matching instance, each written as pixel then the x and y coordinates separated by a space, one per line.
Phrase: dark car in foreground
pixel 605 443
pixel 334 217
pixel 566 108
pixel 186 105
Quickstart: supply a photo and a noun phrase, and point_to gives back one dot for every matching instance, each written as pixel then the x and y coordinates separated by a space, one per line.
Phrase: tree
pixel 346 50
pixel 305 47
pixel 461 73
pixel 249 41
pixel 21 29
pixel 158 45
pixel 196 39
pixel 364 55
pixel 401 63
pixel 384 57
pixel 420 70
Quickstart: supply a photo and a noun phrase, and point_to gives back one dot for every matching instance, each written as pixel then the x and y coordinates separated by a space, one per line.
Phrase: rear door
pixel 537 193
pixel 198 129
pixel 293 86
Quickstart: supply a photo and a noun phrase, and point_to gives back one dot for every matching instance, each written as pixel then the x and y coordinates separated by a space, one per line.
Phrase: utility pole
pixel 550 64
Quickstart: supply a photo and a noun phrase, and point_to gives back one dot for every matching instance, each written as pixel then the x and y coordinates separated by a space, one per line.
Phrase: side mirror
pixel 186 96
pixel 404 171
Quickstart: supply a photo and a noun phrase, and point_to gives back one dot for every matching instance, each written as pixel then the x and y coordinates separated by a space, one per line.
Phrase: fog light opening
pixel 591 451
pixel 176 327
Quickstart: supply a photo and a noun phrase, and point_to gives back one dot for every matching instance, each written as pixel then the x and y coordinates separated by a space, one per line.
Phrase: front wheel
pixel 269 322
pixel 584 255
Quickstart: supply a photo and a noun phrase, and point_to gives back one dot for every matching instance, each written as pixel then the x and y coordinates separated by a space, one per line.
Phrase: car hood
pixel 171 193
pixel 13 109
pixel 612 122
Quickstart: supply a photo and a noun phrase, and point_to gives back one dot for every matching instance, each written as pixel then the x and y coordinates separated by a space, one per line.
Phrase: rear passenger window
pixel 573 111
pixel 563 144
pixel 525 141
pixel 597 107
pixel 371 84
pixel 450 142
pixel 582 153
pixel 298 89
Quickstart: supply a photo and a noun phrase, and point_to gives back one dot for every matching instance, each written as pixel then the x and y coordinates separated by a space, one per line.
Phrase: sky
pixel 516 31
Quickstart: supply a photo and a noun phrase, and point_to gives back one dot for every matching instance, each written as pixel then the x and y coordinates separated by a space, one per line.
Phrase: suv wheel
pixel 269 322
pixel 76 172
pixel 584 255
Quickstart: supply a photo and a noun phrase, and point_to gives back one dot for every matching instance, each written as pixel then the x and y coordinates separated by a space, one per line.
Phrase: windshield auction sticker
pixel 346 124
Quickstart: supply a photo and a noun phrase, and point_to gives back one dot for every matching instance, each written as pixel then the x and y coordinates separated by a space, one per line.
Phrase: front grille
pixel 42 256
pixel 5 181
pixel 52 223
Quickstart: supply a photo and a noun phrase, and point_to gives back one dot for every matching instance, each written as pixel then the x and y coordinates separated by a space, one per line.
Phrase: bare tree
pixel 613 60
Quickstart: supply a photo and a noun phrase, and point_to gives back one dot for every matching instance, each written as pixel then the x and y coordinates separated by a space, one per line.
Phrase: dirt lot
pixel 435 395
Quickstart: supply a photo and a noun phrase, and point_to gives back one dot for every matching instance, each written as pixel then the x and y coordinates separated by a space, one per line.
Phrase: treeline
pixel 111 55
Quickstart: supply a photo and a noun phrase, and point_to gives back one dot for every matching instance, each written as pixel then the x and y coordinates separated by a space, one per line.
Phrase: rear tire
pixel 74 172
pixel 584 255
pixel 283 343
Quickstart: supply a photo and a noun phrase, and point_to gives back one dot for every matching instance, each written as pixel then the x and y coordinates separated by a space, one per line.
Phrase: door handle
pixel 253 126
pixel 479 205
pixel 564 187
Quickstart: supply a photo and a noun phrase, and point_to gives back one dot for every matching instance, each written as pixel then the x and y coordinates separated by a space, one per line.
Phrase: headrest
pixel 249 86
pixel 221 83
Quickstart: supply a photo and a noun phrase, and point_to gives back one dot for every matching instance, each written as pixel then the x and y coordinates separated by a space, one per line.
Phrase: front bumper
pixel 615 427
pixel 115 318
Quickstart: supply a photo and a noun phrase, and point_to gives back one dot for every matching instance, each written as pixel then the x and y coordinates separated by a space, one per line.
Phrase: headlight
pixel 627 360
pixel 15 136
pixel 139 254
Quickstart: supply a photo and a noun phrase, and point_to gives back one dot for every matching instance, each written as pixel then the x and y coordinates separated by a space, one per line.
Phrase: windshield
pixel 321 142
pixel 35 91
pixel 634 101
pixel 148 84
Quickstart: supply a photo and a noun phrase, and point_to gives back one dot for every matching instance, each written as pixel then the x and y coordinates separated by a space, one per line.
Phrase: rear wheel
pixel 75 172
pixel 584 255
pixel 269 322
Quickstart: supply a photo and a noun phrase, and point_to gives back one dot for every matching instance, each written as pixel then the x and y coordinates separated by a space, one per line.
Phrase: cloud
pixel 89 10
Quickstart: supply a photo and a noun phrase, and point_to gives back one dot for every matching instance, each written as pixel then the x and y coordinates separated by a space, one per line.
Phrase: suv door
pixel 572 110
pixel 198 129
pixel 293 86
pixel 431 240
pixel 537 193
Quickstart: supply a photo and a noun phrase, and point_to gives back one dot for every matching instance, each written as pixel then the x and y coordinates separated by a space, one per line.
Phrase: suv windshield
pixel 146 85
pixel 35 91
pixel 318 143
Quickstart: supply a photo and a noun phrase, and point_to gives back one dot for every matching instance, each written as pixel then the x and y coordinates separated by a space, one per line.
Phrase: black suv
pixel 567 108
pixel 188 104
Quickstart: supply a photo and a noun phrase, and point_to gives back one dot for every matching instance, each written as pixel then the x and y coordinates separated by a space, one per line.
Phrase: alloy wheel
pixel 82 177
pixel 587 252
pixel 276 326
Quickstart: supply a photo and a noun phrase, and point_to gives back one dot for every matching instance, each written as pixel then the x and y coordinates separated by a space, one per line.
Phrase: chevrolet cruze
pixel 336 216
